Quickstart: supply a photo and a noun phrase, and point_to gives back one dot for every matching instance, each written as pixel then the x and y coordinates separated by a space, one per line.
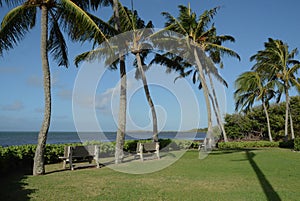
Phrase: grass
pixel 256 174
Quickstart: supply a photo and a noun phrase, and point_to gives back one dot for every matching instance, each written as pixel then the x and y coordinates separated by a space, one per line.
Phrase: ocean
pixel 10 138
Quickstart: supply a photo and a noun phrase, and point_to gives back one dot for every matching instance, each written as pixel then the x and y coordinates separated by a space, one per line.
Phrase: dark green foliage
pixel 297 144
pixel 253 123
pixel 246 144
pixel 288 144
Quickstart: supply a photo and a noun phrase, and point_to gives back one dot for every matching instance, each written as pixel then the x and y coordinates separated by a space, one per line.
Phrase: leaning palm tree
pixel 18 22
pixel 201 40
pixel 131 22
pixel 278 63
pixel 250 87
pixel 137 32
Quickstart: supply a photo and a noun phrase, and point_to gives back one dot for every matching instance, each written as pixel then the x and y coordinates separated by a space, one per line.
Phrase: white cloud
pixel 15 106
pixel 65 94
pixel 37 81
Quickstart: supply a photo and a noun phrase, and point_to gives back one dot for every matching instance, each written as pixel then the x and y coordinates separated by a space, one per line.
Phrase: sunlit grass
pixel 223 175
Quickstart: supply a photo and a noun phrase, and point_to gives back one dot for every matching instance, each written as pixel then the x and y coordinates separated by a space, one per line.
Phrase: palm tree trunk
pixel 149 99
pixel 39 166
pixel 218 111
pixel 286 114
pixel 208 139
pixel 268 121
pixel 119 155
pixel 292 127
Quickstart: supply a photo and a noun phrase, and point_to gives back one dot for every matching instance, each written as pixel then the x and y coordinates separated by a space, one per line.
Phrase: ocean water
pixel 20 138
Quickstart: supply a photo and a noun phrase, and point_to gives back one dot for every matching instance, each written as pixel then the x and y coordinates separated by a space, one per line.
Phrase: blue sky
pixel 250 22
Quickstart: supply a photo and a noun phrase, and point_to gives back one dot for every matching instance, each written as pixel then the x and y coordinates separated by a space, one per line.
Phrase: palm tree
pixel 18 22
pixel 278 63
pixel 202 39
pixel 135 44
pixel 250 87
pixel 141 31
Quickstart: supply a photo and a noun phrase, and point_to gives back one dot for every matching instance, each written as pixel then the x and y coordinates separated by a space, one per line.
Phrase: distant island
pixel 198 130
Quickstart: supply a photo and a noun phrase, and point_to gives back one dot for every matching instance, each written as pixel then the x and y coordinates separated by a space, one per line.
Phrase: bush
pixel 246 144
pixel 287 144
pixel 297 144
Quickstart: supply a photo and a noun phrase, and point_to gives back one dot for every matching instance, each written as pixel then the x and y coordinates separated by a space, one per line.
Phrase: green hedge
pixel 21 157
pixel 297 144
pixel 246 144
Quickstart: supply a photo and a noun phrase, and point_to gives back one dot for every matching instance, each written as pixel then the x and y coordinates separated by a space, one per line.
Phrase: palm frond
pixel 204 20
pixel 56 43
pixel 95 4
pixel 173 24
pixel 80 23
pixel 109 55
pixel 15 25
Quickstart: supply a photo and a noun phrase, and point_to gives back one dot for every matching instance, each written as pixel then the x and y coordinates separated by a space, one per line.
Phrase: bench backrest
pixel 148 146
pixel 81 151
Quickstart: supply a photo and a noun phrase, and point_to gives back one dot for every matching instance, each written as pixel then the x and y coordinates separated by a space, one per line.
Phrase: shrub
pixel 287 144
pixel 297 144
pixel 246 144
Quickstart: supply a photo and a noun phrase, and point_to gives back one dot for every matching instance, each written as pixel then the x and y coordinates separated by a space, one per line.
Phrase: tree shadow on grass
pixel 269 191
pixel 230 151
pixel 13 187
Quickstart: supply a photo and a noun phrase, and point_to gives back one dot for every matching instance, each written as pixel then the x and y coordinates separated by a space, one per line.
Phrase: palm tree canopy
pixel 18 22
pixel 278 63
pixel 199 32
pixel 130 22
pixel 202 34
pixel 250 87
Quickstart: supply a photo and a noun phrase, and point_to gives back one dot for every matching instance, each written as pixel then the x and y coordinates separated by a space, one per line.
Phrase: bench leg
pixel 71 163
pixel 64 164
pixel 157 150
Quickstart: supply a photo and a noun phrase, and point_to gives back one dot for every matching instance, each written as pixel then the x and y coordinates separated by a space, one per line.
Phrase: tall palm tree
pixel 278 63
pixel 201 39
pixel 119 155
pixel 84 35
pixel 250 87
pixel 18 22
pixel 131 23
pixel 141 31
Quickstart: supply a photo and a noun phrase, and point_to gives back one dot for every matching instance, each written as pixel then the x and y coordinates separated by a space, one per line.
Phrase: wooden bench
pixel 148 147
pixel 81 153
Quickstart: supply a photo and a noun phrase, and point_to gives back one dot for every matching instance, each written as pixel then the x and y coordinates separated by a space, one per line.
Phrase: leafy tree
pixel 278 63
pixel 251 125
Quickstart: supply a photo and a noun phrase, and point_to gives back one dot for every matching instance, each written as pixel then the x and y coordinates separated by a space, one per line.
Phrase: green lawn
pixel 260 174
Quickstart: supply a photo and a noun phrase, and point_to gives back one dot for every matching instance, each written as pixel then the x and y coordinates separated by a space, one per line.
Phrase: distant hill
pixel 198 130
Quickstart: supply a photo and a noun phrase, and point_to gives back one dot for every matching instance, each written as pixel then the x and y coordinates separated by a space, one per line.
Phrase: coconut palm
pixel 278 63
pixel 250 87
pixel 141 31
pixel 202 39
pixel 18 22
pixel 135 44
